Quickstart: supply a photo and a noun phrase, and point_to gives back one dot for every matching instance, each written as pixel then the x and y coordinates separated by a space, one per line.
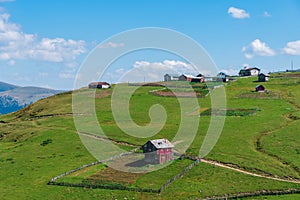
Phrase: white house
pixel 171 77
pixel 253 71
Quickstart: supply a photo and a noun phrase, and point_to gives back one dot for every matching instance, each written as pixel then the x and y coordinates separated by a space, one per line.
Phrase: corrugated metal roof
pixel 162 143
pixel 173 75
pixel 99 83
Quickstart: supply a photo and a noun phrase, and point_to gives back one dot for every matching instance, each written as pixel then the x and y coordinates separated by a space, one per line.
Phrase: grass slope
pixel 255 143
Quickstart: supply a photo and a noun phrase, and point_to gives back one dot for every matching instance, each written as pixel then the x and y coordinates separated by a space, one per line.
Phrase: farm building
pixel 191 78
pixel 260 88
pixel 171 77
pixel 99 85
pixel 263 77
pixel 254 71
pixel 158 151
pixel 222 77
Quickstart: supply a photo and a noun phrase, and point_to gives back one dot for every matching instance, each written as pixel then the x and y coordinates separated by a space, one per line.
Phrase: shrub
pixel 46 142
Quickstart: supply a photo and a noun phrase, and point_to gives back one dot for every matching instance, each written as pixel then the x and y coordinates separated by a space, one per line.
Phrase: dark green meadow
pixel 40 142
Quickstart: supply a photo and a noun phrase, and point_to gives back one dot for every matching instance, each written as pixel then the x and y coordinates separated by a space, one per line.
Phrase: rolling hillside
pixel 13 98
pixel 40 142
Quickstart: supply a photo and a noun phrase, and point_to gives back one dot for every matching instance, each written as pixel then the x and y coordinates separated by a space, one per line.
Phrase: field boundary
pixel 188 168
pixel 219 164
pixel 54 180
pixel 256 194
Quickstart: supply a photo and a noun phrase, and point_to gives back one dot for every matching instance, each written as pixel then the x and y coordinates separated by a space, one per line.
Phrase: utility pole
pixel 292 65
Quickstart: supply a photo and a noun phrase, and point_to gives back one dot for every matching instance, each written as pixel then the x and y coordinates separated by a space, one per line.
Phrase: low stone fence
pixel 257 193
pixel 103 186
pixel 91 164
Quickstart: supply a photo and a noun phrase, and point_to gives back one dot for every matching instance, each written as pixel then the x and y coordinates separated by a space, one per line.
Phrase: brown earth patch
pixel 296 75
pixel 177 94
pixel 114 176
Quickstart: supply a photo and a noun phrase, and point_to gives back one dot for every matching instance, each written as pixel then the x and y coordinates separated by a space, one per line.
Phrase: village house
pixel 171 77
pixel 158 151
pixel 253 71
pixel 222 77
pixel 260 88
pixel 191 78
pixel 99 85
pixel 263 77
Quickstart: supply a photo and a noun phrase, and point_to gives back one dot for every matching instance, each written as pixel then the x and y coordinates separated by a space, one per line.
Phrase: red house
pixel 158 151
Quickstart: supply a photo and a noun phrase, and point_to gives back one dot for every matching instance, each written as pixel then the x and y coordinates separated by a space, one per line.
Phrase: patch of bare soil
pixel 177 94
pixel 115 176
pixel 296 75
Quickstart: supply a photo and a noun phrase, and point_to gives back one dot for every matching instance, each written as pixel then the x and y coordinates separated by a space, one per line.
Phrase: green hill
pixel 40 142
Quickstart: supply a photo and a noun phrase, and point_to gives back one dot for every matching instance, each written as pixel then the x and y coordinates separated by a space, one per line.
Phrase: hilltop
pixel 260 136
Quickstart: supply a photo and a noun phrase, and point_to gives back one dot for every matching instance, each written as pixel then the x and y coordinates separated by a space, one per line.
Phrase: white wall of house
pixel 105 86
pixel 254 72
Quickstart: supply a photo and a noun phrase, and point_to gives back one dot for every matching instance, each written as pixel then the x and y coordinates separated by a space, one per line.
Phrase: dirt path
pixel 218 164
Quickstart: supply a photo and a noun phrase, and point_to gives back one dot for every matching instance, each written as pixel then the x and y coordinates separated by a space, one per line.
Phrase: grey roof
pixel 162 143
pixel 173 75
pixel 251 68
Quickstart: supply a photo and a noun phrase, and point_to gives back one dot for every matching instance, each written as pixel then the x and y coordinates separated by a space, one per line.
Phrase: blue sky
pixel 43 43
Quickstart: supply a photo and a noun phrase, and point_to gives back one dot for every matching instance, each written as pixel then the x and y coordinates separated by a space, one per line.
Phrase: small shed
pixel 158 151
pixel 99 85
pixel 260 88
pixel 263 77
pixel 171 77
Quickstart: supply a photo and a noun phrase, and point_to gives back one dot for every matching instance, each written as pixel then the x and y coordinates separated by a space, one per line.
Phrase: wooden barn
pixel 158 151
pixel 260 88
pixel 99 85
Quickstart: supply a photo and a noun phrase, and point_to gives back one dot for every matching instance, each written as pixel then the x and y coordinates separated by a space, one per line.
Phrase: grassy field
pixel 41 142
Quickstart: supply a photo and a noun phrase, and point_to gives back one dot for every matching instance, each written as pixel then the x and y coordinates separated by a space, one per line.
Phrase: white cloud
pixel 167 65
pixel 230 71
pixel 292 48
pixel 266 14
pixel 15 44
pixel 66 75
pixel 43 74
pixel 20 77
pixel 257 48
pixel 111 45
pixel 154 71
pixel 238 13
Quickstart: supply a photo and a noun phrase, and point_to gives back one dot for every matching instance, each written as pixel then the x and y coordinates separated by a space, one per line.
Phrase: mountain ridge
pixel 13 98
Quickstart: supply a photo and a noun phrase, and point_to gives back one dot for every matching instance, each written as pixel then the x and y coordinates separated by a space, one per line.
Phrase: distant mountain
pixel 13 98
pixel 6 86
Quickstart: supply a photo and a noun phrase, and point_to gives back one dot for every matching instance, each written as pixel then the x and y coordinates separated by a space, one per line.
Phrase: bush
pixel 46 142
